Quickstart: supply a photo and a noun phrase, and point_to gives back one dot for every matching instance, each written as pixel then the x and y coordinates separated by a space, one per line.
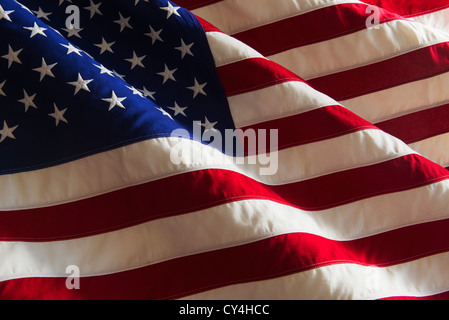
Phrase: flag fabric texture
pixel 95 203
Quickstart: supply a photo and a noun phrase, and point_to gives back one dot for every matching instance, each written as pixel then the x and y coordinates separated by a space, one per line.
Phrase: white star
pixel 73 32
pixel 135 60
pixel 154 35
pixel 45 70
pixel 42 14
pixel 165 113
pixel 71 49
pixel 171 10
pixel 103 69
pixel 123 22
pixel 208 125
pixel 28 100
pixel 12 56
pixel 58 115
pixel 1 88
pixel 94 8
pixel 35 29
pixel 114 101
pixel 7 132
pixel 135 91
pixel 147 93
pixel 80 84
pixel 178 110
pixel 105 46
pixel 167 74
pixel 185 49
pixel 197 88
pixel 137 1
pixel 5 14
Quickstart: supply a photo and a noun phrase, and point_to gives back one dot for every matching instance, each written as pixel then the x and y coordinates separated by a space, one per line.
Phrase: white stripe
pixel 150 160
pixel 274 102
pixel 438 19
pixel 219 227
pixel 233 16
pixel 420 278
pixel 227 49
pixel 401 100
pixel 372 46
pixel 358 49
pixel 434 148
pixel 339 54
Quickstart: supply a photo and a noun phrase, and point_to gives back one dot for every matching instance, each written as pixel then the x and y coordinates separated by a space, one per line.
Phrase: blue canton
pixel 132 70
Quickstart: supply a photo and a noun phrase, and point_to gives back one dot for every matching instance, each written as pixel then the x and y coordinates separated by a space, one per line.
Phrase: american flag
pixel 92 205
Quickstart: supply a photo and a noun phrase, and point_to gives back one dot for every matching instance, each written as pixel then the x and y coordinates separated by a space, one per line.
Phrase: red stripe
pixel 410 8
pixel 312 126
pixel 195 4
pixel 269 258
pixel 107 212
pixel 412 66
pixel 253 74
pixel 402 7
pixel 322 123
pixel 312 27
pixel 440 296
pixel 425 123
pixel 208 27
